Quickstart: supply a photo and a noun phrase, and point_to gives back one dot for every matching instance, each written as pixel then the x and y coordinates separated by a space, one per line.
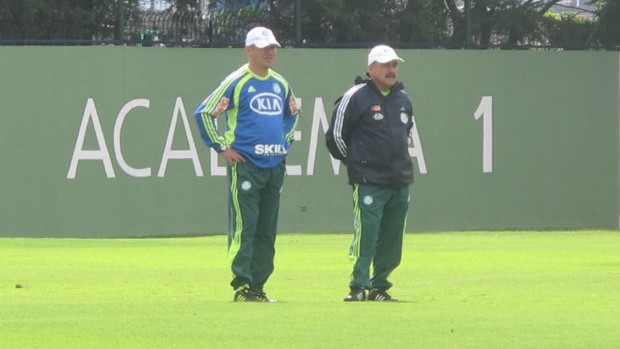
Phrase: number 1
pixel 485 110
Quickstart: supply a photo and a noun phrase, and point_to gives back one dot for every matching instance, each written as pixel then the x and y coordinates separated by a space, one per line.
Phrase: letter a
pixel 319 119
pixel 416 151
pixel 191 153
pixel 102 154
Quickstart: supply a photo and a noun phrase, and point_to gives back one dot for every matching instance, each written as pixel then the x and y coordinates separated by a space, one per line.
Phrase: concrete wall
pixel 101 141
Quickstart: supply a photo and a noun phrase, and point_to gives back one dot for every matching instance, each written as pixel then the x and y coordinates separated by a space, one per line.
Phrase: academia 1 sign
pixel 90 118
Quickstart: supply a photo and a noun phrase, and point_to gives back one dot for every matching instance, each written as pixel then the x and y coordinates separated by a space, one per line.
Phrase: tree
pixel 507 23
pixel 353 23
pixel 607 31
pixel 430 23
pixel 337 21
pixel 423 23
pixel 231 19
pixel 568 31
pixel 55 20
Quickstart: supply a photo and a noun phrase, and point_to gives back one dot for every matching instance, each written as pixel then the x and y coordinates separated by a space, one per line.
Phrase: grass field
pixel 461 290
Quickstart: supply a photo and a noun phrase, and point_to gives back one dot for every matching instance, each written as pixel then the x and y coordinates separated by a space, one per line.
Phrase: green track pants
pixel 380 222
pixel 254 200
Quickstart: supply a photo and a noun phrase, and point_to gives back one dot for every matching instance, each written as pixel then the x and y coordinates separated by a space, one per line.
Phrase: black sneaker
pixel 380 296
pixel 356 295
pixel 262 297
pixel 245 294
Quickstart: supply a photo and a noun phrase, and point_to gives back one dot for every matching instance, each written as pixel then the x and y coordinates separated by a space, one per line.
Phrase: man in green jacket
pixel 370 133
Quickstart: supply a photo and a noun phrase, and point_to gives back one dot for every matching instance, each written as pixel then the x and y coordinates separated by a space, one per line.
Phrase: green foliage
pixel 350 21
pixel 410 23
pixel 519 25
pixel 568 30
pixel 231 19
pixel 59 19
pixel 608 30
pixel 542 290
pixel 424 22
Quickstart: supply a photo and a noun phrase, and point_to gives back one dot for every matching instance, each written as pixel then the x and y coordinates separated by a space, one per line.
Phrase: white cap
pixel 383 54
pixel 261 37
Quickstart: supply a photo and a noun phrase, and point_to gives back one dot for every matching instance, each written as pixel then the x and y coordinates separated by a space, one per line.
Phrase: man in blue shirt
pixel 261 116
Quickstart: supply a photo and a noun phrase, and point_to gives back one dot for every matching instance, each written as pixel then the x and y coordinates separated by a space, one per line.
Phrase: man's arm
pixel 337 134
pixel 291 117
pixel 206 114
pixel 343 120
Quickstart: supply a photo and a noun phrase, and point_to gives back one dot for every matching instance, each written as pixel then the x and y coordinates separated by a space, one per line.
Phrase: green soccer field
pixel 459 290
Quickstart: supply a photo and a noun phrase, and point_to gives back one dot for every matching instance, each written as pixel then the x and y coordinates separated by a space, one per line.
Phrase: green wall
pixel 553 146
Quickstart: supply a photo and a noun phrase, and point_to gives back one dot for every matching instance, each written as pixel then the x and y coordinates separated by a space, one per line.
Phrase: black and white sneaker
pixel 262 297
pixel 356 295
pixel 380 296
pixel 245 294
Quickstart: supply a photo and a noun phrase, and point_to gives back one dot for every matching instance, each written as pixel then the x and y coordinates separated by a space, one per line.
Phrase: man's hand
pixel 232 156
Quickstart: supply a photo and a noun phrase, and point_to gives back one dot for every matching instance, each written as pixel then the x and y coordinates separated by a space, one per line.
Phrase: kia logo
pixel 267 103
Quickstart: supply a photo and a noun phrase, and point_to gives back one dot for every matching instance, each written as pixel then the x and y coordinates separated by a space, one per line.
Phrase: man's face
pixel 384 75
pixel 262 57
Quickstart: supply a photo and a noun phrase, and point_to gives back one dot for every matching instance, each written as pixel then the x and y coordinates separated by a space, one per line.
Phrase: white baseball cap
pixel 261 37
pixel 383 54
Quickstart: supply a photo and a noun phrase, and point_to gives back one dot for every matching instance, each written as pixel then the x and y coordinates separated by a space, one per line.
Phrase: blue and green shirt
pixel 261 116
